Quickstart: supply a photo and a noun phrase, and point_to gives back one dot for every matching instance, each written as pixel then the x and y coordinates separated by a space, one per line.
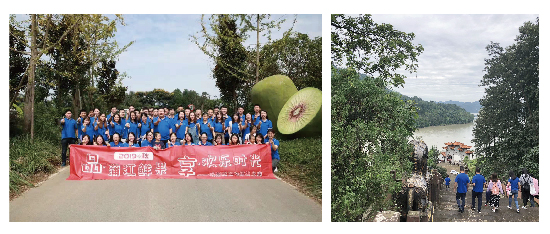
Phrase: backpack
pixel 532 189
pixel 526 185
pixel 495 190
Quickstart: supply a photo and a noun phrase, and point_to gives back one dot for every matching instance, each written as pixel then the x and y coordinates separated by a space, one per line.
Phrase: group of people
pixel 494 189
pixel 165 127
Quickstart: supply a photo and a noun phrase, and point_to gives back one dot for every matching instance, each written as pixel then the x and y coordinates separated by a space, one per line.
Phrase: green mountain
pixel 434 114
pixel 472 107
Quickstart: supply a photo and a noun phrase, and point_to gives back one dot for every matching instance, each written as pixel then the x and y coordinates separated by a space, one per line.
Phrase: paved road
pixel 447 209
pixel 58 199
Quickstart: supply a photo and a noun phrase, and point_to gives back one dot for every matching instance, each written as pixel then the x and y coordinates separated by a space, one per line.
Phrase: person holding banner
pixel 204 140
pixel 274 149
pixel 218 140
pixel 67 134
pixel 99 140
pixel 234 140
pixel 116 141
pixel 132 141
pixel 259 139
pixel 148 141
pixel 188 139
pixel 158 144
pixel 86 140
pixel 173 140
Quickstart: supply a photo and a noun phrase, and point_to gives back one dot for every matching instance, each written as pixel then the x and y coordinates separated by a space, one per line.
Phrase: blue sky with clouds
pixel 451 66
pixel 163 56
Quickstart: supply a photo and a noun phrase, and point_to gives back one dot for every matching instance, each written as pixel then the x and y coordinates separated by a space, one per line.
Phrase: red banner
pixel 90 162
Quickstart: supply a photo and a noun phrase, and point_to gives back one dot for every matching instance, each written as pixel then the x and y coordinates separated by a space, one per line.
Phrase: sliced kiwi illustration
pixel 301 114
pixel 271 94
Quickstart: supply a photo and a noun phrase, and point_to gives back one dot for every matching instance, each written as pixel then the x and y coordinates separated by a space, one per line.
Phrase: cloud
pixel 451 66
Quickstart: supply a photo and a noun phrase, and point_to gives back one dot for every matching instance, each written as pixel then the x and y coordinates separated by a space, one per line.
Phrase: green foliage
pixel 301 161
pixel 435 114
pixel 296 56
pixel 371 48
pixel 28 160
pixel 369 138
pixel 507 129
pixel 18 62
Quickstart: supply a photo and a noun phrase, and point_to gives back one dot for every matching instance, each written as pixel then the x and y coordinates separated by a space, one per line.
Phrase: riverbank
pixel 439 135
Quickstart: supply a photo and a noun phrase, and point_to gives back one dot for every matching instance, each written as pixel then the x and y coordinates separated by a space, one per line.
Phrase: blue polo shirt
pixel 227 120
pixel 68 129
pixel 447 181
pixel 206 129
pixel 235 128
pixel 120 144
pixel 180 132
pixel 155 127
pixel 145 127
pixel 479 180
pixel 133 128
pixel 168 145
pixel 274 153
pixel 207 143
pixel 218 127
pixel 90 131
pixel 256 118
pixel 118 128
pixel 164 128
pixel 146 143
pixel 246 130
pixel 266 125
pixel 514 183
pixel 462 181
pixel 79 125
pixel 100 130
pixel 192 125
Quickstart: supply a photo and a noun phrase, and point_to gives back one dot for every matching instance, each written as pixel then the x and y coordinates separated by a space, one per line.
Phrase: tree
pixel 380 124
pixel 507 129
pixel 18 62
pixel 373 49
pixel 296 56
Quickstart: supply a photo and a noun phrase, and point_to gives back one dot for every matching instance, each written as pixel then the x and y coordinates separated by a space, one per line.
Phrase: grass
pixel 29 163
pixel 301 165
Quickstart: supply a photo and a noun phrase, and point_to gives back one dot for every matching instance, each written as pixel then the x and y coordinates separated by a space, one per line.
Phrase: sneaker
pixel 517 211
pixel 63 164
pixel 485 204
pixel 479 211
pixel 493 210
pixel 275 170
pixel 509 207
pixel 525 208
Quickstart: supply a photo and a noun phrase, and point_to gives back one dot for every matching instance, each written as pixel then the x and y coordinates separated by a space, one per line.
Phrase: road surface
pixel 157 200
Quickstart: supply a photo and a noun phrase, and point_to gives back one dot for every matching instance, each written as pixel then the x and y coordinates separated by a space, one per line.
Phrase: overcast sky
pixel 451 66
pixel 164 57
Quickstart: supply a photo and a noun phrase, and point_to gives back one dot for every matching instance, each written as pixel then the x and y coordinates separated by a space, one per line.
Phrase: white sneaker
pixel 525 208
pixel 275 170
pixel 509 207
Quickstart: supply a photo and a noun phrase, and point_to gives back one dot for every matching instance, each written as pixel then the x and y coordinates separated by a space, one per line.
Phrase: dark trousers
pixel 479 196
pixel 487 197
pixel 526 195
pixel 65 142
pixel 274 163
pixel 461 196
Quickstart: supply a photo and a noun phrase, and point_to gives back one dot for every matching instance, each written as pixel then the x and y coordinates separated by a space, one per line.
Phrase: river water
pixel 438 135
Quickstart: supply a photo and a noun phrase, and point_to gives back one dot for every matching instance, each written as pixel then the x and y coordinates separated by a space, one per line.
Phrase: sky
pixel 451 66
pixel 163 56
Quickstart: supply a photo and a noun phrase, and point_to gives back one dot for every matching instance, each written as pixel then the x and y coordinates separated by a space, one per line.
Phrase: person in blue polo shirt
pixel 205 126
pixel 274 143
pixel 447 183
pixel 461 187
pixel 163 126
pixel 80 122
pixel 144 126
pixel 67 135
pixel 116 141
pixel 204 140
pixel 173 141
pixel 478 181
pixel 515 185
pixel 88 128
pixel 148 141
pixel 263 124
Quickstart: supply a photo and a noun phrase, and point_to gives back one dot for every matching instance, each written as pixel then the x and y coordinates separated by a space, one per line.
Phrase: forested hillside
pixel 435 114
pixel 472 107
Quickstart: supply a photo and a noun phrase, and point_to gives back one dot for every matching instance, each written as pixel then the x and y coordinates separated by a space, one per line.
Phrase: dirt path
pixel 447 210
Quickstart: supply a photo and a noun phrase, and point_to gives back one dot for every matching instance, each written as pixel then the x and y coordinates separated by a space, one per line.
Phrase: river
pixel 438 135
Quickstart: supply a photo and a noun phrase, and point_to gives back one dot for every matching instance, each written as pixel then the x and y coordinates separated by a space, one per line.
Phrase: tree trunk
pixel 257 47
pixel 28 119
